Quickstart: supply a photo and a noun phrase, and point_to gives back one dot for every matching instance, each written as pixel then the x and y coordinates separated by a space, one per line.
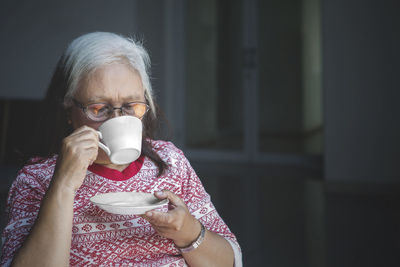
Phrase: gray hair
pixel 93 50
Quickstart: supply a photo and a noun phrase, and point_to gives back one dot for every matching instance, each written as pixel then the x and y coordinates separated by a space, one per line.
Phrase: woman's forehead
pixel 112 82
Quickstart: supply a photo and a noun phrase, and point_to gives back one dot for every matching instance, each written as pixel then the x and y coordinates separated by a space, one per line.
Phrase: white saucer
pixel 128 203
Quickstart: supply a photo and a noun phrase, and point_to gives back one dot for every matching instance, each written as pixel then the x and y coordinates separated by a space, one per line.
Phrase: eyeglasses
pixel 103 111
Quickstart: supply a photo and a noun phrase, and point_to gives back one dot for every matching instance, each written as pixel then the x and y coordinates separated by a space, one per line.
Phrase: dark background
pixel 337 206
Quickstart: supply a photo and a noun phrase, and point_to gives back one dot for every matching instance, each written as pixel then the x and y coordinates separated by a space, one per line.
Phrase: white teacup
pixel 121 139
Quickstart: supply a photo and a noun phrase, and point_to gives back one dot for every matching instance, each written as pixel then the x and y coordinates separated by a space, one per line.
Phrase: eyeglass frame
pixel 84 109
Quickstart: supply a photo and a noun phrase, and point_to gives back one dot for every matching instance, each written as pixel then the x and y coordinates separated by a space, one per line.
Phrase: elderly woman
pixel 51 219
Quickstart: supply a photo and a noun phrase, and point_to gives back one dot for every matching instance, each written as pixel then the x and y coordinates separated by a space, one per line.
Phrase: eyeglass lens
pixel 102 111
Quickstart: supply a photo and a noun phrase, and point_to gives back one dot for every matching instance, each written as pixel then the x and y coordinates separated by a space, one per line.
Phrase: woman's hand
pixel 78 151
pixel 49 241
pixel 177 224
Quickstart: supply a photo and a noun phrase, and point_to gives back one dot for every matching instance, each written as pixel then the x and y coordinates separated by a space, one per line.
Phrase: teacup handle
pixel 103 146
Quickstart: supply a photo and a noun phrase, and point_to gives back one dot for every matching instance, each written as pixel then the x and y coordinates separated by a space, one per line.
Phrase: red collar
pixel 116 175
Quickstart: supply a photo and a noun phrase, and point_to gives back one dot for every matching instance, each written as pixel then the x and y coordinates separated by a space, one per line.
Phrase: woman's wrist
pixel 192 237
pixel 68 178
pixel 196 243
pixel 61 189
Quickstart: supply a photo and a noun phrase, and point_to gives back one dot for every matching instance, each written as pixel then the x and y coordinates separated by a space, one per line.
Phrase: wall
pixel 361 90
pixel 311 75
pixel 34 34
pixel 361 115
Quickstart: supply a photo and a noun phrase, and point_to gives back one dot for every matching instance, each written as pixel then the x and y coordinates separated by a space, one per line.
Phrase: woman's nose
pixel 117 112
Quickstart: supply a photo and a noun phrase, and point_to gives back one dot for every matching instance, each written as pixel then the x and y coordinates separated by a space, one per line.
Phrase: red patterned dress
pixel 103 239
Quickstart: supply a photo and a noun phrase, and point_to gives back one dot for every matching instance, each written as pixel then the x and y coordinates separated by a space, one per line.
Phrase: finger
pixel 159 218
pixel 80 129
pixel 162 230
pixel 174 199
pixel 84 149
pixel 88 133
pixel 87 139
pixel 88 145
pixel 88 153
pixel 80 143
pixel 85 130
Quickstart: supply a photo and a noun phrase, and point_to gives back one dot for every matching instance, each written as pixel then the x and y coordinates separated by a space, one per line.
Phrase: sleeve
pixel 200 206
pixel 22 208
